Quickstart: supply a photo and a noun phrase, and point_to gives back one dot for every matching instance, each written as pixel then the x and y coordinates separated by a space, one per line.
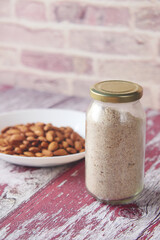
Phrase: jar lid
pixel 116 91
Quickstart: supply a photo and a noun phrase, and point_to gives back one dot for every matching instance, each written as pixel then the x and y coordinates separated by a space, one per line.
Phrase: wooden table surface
pixel 52 203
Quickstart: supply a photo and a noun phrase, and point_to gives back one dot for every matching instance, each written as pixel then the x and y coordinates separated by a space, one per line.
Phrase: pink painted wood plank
pixel 16 98
pixel 18 184
pixel 64 209
pixel 75 103
pixel 4 88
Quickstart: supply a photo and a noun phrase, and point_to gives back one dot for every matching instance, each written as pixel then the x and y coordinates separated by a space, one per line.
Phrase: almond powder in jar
pixel 115 142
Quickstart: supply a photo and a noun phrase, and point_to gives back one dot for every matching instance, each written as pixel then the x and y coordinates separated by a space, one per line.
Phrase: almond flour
pixel 114 154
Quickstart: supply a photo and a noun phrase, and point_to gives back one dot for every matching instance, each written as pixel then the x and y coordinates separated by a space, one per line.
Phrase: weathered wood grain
pixel 18 184
pixel 62 208
pixel 75 103
pixel 15 98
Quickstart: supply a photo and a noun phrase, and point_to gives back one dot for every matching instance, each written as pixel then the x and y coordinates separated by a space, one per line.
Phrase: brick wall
pixel 66 46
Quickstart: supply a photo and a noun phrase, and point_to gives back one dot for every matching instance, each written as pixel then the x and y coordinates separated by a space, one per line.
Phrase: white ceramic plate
pixel 58 117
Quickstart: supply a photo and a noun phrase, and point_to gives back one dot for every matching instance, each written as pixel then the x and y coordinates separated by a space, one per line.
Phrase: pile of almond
pixel 40 140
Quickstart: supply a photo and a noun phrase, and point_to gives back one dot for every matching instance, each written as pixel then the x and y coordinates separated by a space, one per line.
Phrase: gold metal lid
pixel 116 91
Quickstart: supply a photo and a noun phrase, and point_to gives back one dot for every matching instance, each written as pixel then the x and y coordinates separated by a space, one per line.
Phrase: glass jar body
pixel 115 151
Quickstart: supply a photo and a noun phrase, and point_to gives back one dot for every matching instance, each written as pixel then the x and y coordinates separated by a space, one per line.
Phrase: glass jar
pixel 115 142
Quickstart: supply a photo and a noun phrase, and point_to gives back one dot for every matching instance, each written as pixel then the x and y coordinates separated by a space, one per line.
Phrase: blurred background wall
pixel 66 46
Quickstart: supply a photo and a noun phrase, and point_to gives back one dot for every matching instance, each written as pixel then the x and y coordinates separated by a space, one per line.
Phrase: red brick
pixel 89 14
pixel 71 12
pixel 14 33
pixel 138 71
pixel 33 81
pixel 8 57
pixel 5 8
pixel 30 10
pixel 111 43
pixel 107 16
pixel 57 62
pixel 148 18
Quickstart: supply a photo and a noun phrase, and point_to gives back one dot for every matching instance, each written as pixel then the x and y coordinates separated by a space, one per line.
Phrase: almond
pixel 33 127
pixel 31 139
pixel 35 143
pixel 9 152
pixel 62 129
pixel 60 152
pixel 50 136
pixel 68 130
pixel 39 124
pixel 28 154
pixel 47 153
pixel 18 150
pixel 34 149
pixel 22 128
pixel 57 139
pixel 67 135
pixel 83 142
pixel 55 128
pixel 30 134
pixel 53 146
pixel 16 138
pixel 2 142
pixel 48 127
pixel 82 150
pixel 5 129
pixel 6 148
pixel 73 136
pixel 39 132
pixel 59 135
pixel 26 142
pixel 60 145
pixel 65 144
pixel 41 138
pixel 44 145
pixel 13 131
pixel 23 147
pixel 70 142
pixel 71 150
pixel 38 154
pixel 78 145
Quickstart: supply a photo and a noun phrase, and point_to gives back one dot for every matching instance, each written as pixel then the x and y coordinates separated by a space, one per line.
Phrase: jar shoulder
pixel 112 113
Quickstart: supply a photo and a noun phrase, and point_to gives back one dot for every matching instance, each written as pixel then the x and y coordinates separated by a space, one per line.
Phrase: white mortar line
pixel 47 74
pixel 78 27
pixel 61 25
pixel 76 53
pixel 109 3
